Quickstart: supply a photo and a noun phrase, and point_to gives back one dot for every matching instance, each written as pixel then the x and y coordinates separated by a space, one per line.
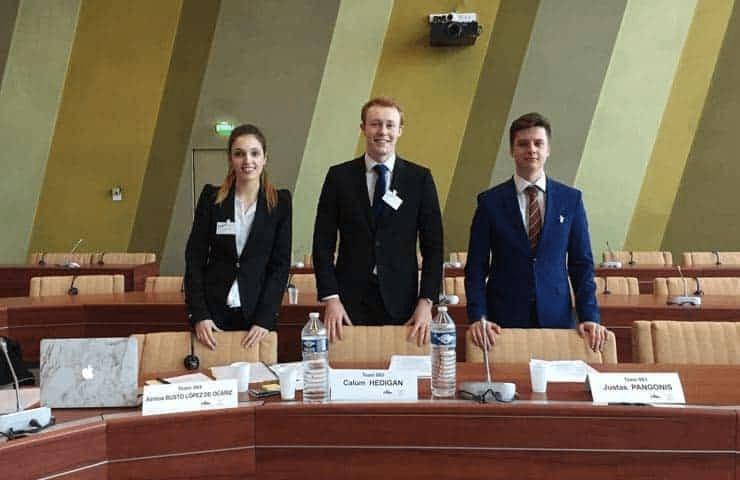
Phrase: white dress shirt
pixel 523 198
pixel 243 219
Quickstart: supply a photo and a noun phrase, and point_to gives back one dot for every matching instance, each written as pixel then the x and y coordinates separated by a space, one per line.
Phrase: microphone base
pixel 611 264
pixel 684 300
pixel 506 391
pixel 19 422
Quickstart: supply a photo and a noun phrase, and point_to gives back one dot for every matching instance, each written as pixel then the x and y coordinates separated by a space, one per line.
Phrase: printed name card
pixel 373 385
pixel 640 388
pixel 189 397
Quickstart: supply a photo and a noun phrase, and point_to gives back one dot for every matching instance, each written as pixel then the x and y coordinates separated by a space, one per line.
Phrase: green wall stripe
pixel 8 12
pixel 346 83
pixel 265 67
pixel 625 124
pixel 678 126
pixel 705 214
pixel 103 136
pixel 562 75
pixel 487 121
pixel 176 114
pixel 29 100
pixel 436 86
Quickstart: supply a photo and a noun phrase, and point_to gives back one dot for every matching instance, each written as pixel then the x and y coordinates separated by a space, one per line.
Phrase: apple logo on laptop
pixel 87 373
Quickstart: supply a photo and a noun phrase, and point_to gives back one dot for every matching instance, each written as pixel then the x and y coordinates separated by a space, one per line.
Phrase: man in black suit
pixel 380 204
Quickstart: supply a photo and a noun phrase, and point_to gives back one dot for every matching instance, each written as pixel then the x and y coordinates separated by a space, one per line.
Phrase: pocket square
pixel 562 219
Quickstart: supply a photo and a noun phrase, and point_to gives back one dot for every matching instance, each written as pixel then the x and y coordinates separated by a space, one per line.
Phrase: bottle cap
pixel 313 315
pixel 442 308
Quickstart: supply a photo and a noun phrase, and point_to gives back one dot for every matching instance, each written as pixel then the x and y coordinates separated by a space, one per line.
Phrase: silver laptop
pixel 89 372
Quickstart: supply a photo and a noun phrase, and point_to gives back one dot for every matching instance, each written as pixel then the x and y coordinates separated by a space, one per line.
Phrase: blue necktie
pixel 380 187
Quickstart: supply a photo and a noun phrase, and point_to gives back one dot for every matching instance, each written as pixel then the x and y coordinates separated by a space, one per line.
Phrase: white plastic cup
pixel 241 373
pixel 538 375
pixel 288 378
pixel 293 295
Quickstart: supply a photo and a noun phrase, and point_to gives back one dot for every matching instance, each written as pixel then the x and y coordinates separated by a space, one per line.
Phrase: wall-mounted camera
pixel 453 29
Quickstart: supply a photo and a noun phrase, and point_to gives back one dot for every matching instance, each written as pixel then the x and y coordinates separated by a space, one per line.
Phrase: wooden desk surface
pixel 28 320
pixel 555 435
pixel 15 279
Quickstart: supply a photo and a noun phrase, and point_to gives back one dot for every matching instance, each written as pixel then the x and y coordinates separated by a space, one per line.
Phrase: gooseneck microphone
pixel 606 286
pixel 41 259
pixel 4 348
pixel 685 299
pixel 611 263
pixel 716 255
pixel 100 260
pixel 72 289
pixel 632 258
pixel 191 361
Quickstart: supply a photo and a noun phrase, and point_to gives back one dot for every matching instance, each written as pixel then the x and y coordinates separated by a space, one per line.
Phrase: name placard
pixel 373 385
pixel 636 388
pixel 189 397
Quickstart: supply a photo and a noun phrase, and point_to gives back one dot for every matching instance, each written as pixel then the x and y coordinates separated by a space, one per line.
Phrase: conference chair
pixel 461 257
pixel 374 344
pixel 164 352
pixel 74 285
pixel 60 258
pixel 456 286
pixel 617 286
pixel 519 345
pixel 125 258
pixel 692 259
pixel 693 342
pixel 696 286
pixel 163 284
pixel 639 258
pixel 304 282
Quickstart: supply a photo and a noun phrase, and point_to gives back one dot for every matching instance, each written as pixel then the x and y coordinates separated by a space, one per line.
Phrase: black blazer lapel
pixel 226 213
pixel 258 225
pixel 358 183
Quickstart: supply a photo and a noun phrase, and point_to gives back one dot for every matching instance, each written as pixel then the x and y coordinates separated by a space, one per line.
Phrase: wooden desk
pixel 15 279
pixel 28 320
pixel 647 273
pixel 555 435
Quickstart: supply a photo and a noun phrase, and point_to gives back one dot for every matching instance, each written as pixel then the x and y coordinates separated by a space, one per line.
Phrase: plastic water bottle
pixel 315 346
pixel 444 358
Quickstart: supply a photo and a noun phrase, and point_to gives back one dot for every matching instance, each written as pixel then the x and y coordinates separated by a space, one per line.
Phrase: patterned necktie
pixel 380 187
pixel 535 217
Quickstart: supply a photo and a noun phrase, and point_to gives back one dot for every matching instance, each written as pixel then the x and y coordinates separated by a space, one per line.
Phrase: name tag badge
pixel 226 228
pixel 392 199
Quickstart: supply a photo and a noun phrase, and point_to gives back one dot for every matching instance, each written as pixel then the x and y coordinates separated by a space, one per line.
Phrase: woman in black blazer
pixel 238 255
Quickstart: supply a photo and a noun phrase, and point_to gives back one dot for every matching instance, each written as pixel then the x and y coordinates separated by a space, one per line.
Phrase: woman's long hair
pixel 265 184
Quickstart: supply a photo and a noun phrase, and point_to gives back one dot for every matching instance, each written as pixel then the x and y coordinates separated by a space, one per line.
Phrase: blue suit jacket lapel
pixel 511 204
pixel 552 206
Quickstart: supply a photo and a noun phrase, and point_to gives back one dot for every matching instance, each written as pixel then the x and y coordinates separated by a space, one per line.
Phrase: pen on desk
pixel 162 380
pixel 271 369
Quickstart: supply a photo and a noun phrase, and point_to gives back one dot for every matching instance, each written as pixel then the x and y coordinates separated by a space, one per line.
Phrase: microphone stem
pixel 4 348
pixel 485 349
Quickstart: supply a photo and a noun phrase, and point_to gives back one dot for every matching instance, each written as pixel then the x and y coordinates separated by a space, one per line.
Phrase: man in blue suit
pixel 529 235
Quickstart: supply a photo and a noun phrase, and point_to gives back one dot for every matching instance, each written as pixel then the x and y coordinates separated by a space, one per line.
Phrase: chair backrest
pixel 125 258
pixel 710 258
pixel 697 286
pixel 693 342
pixel 307 260
pixel 640 258
pixel 617 286
pixel 374 344
pixel 461 257
pixel 519 345
pixel 304 282
pixel 85 284
pixel 165 351
pixel 60 258
pixel 163 284
pixel 460 289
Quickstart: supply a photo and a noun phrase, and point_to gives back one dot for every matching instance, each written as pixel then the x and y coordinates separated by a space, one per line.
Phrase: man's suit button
pixel 377 243
pixel 237 265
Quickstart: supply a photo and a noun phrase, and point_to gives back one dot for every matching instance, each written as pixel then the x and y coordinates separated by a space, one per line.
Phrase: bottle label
pixel 319 345
pixel 444 339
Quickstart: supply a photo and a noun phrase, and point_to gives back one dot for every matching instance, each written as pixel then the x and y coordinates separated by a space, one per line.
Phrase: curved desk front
pixel 555 435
